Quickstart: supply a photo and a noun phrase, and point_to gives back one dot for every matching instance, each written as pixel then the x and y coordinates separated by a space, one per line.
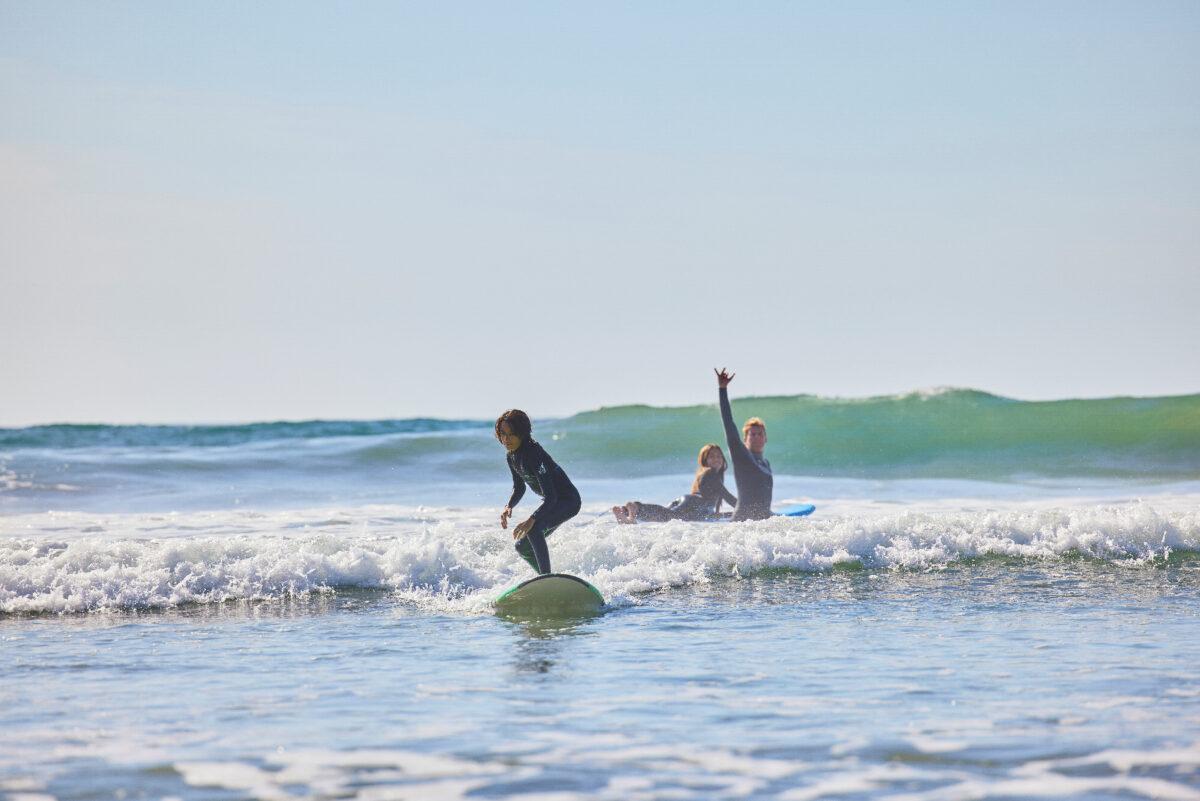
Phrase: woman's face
pixel 507 438
pixel 715 460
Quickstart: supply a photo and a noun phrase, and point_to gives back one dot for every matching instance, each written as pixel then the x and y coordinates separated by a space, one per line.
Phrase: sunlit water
pixel 988 648
pixel 304 611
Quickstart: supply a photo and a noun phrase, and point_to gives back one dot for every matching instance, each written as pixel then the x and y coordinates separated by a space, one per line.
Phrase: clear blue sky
pixel 244 211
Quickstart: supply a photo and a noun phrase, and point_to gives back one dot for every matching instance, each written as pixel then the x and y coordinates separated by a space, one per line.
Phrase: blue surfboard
pixel 800 510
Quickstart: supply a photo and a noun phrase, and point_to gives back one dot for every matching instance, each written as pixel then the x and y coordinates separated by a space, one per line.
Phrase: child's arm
pixel 545 471
pixel 517 493
pixel 712 489
pixel 518 488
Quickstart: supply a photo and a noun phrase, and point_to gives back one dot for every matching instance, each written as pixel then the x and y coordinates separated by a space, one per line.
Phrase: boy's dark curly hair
pixel 518 421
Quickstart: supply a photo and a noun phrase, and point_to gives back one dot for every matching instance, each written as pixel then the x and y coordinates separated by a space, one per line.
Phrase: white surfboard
pixel 551 595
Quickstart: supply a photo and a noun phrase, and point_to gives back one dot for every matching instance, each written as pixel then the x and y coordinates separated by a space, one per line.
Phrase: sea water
pixel 994 599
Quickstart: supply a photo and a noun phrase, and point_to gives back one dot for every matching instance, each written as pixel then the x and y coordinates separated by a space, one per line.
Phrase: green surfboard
pixel 551 595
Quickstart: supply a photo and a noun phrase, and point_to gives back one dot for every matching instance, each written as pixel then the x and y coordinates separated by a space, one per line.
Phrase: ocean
pixel 995 599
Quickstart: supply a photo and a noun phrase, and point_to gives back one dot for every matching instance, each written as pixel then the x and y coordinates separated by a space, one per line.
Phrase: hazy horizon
pixel 486 418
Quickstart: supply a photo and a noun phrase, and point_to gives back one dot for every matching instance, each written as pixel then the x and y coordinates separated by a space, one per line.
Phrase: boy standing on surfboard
pixel 751 470
pixel 531 465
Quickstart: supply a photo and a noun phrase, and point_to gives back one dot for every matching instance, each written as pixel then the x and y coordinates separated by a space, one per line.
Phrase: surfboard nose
pixel 554 595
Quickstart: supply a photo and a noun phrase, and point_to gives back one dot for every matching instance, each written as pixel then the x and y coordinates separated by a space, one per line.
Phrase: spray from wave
pixel 457 561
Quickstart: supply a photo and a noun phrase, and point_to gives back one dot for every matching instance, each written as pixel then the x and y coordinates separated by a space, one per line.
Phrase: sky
pixel 229 211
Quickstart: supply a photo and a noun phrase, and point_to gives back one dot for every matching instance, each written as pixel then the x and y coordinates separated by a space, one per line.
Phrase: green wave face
pixel 949 434
pixel 952 434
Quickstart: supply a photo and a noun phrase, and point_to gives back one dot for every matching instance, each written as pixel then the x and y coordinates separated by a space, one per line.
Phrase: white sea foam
pixel 456 560
pixel 690 772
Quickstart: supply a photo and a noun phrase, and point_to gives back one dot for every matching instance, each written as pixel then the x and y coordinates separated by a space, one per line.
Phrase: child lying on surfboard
pixel 531 465
pixel 702 503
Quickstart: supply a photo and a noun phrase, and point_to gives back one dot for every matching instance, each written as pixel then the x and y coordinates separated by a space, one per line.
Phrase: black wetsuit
pixel 702 505
pixel 751 473
pixel 531 465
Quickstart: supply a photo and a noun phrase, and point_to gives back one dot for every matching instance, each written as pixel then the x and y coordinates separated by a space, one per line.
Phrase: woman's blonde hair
pixel 704 452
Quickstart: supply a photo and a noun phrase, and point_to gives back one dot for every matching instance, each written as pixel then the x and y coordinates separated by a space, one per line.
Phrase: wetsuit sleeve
pixel 712 489
pixel 518 487
pixel 738 452
pixel 545 474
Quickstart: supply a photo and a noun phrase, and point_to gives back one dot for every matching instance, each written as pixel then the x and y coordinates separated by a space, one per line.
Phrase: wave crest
pixel 459 563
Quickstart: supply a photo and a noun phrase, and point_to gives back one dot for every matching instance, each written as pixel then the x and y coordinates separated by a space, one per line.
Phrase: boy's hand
pixel 723 378
pixel 507 513
pixel 523 528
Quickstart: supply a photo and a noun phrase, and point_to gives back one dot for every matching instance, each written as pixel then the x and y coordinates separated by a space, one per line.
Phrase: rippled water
pixel 992 678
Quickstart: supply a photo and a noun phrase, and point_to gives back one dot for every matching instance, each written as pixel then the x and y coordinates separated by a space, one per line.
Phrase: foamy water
pixel 456 560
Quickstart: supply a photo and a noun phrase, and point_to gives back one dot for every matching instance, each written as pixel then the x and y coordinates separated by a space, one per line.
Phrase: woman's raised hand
pixel 723 377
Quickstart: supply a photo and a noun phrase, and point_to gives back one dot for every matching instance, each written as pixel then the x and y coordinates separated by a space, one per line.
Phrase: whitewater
pixel 454 560
pixel 994 599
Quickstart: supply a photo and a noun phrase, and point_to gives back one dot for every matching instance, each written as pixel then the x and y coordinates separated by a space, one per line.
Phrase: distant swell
pixel 953 434
pixel 947 434
pixel 214 436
